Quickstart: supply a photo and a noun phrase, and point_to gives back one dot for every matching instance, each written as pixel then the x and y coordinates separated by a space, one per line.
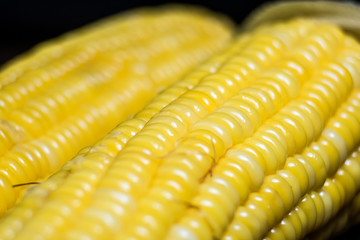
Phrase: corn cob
pixel 227 153
pixel 109 146
pixel 265 122
pixel 69 92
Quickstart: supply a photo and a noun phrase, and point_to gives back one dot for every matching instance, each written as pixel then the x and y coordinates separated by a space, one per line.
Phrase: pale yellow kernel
pixel 318 165
pixel 237 231
pixel 251 166
pixel 267 154
pixel 296 168
pixel 246 217
pixel 293 182
pixel 328 205
pixel 180 233
pixel 310 170
pixel 295 221
pixel 275 234
pixel 338 141
pixel 287 229
pixel 283 189
pixel 309 208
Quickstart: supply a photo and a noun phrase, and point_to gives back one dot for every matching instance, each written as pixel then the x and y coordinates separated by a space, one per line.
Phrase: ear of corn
pixel 259 142
pixel 69 92
pixel 107 147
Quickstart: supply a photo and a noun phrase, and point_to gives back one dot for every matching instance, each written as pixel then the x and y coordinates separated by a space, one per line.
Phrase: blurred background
pixel 23 24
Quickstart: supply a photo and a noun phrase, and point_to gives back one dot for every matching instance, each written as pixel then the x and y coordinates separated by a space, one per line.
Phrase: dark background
pixel 26 23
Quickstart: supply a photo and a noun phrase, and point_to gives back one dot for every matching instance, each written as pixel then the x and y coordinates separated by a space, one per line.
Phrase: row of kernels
pixel 134 123
pixel 326 43
pixel 268 44
pixel 61 142
pixel 13 95
pixel 17 93
pixel 40 114
pixel 115 141
pixel 133 173
pixel 136 28
pixel 180 184
pixel 123 185
pixel 195 98
pixel 313 122
pixel 247 65
pixel 350 59
pixel 317 207
pixel 342 127
pixel 10 134
pixel 12 223
pixel 279 134
pixel 310 99
pixel 257 215
pixel 58 68
pixel 231 128
pixel 154 218
pixel 262 148
pixel 16 71
pixel 68 197
pixel 158 103
pixel 346 218
pixel 156 147
pixel 288 32
pixel 189 81
pixel 89 80
pixel 6 192
pixel 334 142
pixel 292 69
pixel 248 168
pixel 106 214
pixel 215 139
pixel 260 102
pixel 37 109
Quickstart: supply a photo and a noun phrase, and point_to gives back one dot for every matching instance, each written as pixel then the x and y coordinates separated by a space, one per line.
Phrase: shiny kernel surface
pixel 258 142
pixel 71 91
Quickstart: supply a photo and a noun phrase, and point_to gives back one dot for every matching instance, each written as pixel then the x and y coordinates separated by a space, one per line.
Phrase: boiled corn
pixel 70 92
pixel 226 153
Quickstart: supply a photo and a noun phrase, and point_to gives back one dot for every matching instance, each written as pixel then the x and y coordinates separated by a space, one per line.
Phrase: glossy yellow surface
pixel 320 205
pixel 259 142
pixel 71 91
